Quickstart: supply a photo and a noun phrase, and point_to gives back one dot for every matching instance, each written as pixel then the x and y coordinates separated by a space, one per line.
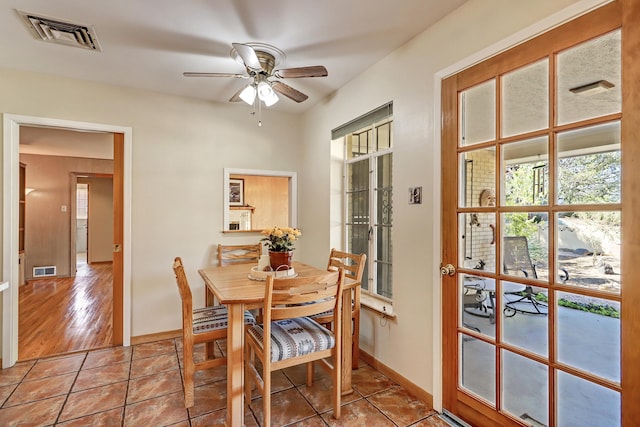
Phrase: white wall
pixel 180 147
pixel 405 77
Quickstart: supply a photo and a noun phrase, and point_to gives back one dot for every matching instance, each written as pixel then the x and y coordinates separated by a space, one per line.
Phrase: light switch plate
pixel 415 195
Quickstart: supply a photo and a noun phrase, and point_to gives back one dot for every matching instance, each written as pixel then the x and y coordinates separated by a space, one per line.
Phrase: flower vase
pixel 280 259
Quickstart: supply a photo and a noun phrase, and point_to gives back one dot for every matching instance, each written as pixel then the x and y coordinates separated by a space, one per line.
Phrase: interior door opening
pixel 82 219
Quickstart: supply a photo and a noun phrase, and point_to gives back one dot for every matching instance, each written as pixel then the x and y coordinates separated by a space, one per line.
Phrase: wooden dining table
pixel 232 286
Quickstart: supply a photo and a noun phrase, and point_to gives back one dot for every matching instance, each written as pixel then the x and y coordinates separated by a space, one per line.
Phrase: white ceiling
pixel 148 44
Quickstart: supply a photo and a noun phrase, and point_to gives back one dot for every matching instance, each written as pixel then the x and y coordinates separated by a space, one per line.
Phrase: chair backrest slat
pixel 239 254
pixel 353 264
pixel 305 296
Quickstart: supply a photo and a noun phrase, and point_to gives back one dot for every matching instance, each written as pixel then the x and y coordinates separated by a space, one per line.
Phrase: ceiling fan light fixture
pixel 272 99
pixel 248 94
pixel 267 94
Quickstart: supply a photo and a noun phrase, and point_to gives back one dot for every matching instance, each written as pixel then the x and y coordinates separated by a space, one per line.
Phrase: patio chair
pixel 517 262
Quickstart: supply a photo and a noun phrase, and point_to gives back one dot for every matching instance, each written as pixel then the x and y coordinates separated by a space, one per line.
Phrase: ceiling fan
pixel 260 61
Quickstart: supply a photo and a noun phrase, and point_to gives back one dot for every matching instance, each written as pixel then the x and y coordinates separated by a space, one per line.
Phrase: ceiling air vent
pixel 61 32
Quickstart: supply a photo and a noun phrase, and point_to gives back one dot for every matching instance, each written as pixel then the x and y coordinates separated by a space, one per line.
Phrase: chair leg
pixel 355 351
pixel 337 386
pixel 530 298
pixel 266 396
pixel 248 360
pixel 189 370
pixel 309 374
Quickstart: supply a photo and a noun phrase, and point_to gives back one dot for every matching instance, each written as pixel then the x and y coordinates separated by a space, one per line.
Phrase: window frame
pixel 371 287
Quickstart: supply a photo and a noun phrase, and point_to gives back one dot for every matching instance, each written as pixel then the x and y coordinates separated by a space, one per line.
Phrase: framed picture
pixel 236 192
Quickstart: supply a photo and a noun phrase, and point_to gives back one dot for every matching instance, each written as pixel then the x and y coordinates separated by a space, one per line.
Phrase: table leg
pixel 235 366
pixel 209 301
pixel 346 342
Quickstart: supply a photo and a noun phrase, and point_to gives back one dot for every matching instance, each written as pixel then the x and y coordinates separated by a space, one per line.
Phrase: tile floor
pixel 142 386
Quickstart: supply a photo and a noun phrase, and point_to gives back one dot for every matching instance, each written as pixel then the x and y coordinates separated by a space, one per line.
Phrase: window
pixel 368 203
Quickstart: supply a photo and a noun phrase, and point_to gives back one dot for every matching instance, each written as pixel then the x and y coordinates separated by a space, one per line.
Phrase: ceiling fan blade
pixel 296 73
pixel 288 91
pixel 234 75
pixel 236 96
pixel 248 56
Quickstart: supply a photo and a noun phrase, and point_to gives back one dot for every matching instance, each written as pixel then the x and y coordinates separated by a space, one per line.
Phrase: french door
pixel 539 229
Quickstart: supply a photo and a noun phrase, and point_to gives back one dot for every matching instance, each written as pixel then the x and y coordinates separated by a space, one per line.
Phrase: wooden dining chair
pixel 239 254
pixel 234 254
pixel 203 325
pixel 289 337
pixel 353 266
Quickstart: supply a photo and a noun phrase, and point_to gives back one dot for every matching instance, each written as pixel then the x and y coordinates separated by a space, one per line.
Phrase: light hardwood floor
pixel 63 315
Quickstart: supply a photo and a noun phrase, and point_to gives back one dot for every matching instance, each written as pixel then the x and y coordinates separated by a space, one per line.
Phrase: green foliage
pixel 592 178
pixel 519 184
pixel 601 309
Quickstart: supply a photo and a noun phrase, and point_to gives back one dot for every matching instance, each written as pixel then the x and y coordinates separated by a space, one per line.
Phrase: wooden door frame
pixel 122 228
pixel 630 379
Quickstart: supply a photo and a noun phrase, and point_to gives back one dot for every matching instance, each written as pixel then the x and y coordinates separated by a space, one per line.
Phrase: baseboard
pixel 143 339
pixel 413 389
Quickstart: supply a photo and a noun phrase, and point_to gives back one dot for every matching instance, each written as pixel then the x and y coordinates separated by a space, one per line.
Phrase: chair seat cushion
pixel 323 314
pixel 295 337
pixel 212 318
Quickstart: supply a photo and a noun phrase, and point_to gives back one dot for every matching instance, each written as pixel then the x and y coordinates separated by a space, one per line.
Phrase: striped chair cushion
pixel 211 318
pixel 323 314
pixel 295 337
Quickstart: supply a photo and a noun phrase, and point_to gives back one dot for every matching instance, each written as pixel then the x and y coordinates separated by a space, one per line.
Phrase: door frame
pixel 567 14
pixel 123 138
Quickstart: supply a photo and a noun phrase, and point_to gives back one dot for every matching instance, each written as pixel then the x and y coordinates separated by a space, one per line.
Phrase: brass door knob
pixel 447 270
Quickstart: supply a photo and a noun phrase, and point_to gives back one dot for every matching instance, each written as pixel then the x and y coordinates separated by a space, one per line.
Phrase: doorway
pixel 82 219
pixel 122 138
pixel 533 315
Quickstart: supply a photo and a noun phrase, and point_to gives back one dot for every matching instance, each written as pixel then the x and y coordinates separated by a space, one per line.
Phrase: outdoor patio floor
pixel 587 341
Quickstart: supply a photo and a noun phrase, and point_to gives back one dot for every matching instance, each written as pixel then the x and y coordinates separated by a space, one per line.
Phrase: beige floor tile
pixel 164 410
pixel 94 400
pixel 402 408
pixel 41 412
pixel 287 407
pixel 110 418
pixel 16 373
pixel 107 357
pixel 150 386
pixel 153 365
pixel 156 348
pixel 96 377
pixel 357 414
pixel 368 381
pixel 30 391
pixel 56 366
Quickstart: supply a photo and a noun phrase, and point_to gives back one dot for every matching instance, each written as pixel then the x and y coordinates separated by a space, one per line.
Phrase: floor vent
pixel 46 271
pixel 61 32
